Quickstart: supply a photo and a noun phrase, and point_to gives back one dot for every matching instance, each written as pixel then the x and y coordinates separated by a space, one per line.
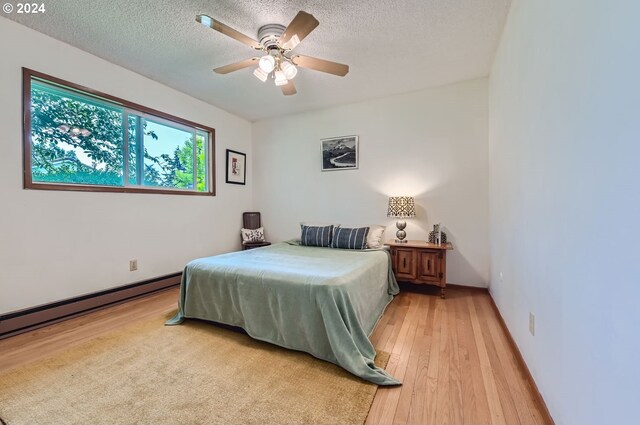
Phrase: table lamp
pixel 401 207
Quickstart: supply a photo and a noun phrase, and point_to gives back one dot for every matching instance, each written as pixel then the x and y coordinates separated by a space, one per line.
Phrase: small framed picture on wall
pixel 339 153
pixel 236 167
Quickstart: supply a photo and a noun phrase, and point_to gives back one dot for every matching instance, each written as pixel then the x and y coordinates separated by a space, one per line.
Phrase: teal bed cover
pixel 323 301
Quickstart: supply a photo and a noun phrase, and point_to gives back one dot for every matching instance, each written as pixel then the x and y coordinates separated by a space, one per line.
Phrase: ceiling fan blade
pixel 289 88
pixel 236 66
pixel 208 21
pixel 321 65
pixel 297 30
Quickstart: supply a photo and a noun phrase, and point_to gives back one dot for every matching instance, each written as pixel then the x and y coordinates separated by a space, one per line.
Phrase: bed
pixel 323 301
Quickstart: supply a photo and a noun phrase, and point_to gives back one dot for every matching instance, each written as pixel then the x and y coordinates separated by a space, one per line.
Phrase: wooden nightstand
pixel 420 262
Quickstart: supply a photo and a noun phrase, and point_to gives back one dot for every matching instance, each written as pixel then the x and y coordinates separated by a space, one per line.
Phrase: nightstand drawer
pixel 405 262
pixel 429 266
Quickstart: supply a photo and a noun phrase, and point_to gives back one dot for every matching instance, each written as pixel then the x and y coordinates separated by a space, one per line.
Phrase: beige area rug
pixel 196 373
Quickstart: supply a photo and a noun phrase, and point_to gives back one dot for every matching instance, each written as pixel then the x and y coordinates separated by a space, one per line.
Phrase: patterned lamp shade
pixel 401 206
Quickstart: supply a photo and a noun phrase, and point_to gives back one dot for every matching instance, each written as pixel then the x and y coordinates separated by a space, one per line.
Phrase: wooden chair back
pixel 251 220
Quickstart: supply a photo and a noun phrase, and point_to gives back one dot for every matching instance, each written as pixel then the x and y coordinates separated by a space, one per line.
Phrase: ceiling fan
pixel 276 43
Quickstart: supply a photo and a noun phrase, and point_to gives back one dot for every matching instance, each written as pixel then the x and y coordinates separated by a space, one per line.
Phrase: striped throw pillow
pixel 316 235
pixel 350 238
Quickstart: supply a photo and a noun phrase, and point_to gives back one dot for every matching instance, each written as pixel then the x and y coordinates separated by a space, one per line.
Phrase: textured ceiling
pixel 391 46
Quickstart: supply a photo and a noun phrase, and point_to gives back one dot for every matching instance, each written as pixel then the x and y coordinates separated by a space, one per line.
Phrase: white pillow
pixel 374 237
pixel 252 235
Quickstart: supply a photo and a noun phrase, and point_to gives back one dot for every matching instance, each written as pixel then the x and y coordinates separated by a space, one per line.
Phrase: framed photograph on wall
pixel 339 153
pixel 236 167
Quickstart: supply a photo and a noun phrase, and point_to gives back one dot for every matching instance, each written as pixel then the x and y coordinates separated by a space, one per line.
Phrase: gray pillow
pixel 316 235
pixel 350 238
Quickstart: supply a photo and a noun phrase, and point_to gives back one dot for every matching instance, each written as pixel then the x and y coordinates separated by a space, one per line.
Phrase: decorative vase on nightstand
pixel 437 235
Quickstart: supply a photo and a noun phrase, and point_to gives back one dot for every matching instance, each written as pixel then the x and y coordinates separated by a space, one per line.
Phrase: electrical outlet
pixel 133 265
pixel 532 324
pixel 501 277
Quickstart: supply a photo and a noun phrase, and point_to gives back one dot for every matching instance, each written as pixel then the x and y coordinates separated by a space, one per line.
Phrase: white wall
pixel 55 245
pixel 565 205
pixel 430 144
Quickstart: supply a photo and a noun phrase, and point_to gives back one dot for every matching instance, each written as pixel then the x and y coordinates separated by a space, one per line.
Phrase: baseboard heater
pixel 35 317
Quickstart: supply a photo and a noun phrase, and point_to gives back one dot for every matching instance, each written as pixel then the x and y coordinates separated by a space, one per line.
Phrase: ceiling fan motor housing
pixel 269 34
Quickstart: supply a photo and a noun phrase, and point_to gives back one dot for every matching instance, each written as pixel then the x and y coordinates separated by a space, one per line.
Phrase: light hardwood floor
pixel 452 355
pixel 455 361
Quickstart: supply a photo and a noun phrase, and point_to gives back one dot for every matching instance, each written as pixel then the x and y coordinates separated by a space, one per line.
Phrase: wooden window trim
pixel 27 74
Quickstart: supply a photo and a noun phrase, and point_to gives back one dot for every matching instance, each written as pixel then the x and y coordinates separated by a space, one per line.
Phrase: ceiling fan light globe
pixel 260 74
pixel 280 80
pixel 289 70
pixel 267 63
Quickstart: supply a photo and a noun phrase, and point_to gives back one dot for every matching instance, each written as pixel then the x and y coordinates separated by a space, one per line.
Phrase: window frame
pixel 28 183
